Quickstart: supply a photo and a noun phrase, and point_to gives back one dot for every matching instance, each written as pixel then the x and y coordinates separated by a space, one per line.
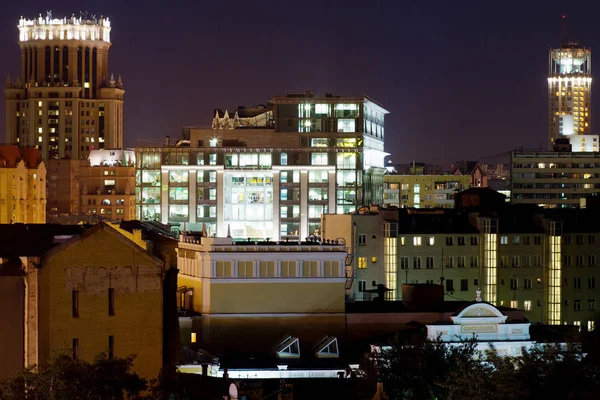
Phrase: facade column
pixel 221 228
pixel 303 204
pixel 24 76
pixel 40 56
pixel 52 71
pixel 332 195
pixel 276 202
pixel 164 196
pixel 192 195
pixel 61 128
pixel 72 65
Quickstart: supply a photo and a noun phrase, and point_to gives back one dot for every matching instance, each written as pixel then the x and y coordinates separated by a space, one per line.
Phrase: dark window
pixel 94 72
pixel 65 64
pixel 111 347
pixel 75 348
pixel 47 64
pixel 79 65
pixel 449 285
pixel 111 301
pixel 56 64
pixel 75 303
pixel 464 285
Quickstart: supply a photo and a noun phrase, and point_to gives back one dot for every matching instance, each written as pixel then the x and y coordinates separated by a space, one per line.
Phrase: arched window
pixel 106 202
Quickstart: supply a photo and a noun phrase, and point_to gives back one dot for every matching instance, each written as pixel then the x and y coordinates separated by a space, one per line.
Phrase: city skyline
pixel 436 79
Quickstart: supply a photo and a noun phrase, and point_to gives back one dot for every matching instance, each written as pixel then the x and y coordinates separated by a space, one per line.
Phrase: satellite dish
pixel 233 391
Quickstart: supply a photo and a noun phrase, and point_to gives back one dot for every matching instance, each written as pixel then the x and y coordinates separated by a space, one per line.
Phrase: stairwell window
pixel 111 302
pixel 75 303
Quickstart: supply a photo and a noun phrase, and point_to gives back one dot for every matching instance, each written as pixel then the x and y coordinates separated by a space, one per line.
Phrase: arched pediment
pixel 481 311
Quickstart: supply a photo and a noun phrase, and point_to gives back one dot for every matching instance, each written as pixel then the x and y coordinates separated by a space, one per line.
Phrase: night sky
pixel 462 79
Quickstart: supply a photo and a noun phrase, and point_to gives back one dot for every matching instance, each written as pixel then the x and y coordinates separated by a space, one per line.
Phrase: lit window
pixel 431 241
pixel 86 85
pixel 373 260
pixel 527 305
pixel 417 241
pixel 193 338
pixel 362 262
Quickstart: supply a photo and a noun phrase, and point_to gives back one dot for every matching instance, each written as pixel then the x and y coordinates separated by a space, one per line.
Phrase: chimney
pixel 168 141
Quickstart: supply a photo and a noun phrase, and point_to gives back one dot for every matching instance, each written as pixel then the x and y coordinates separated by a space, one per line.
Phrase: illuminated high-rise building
pixel 569 94
pixel 64 102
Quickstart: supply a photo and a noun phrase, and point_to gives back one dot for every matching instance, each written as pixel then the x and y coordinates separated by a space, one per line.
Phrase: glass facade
pixel 326 156
pixel 248 204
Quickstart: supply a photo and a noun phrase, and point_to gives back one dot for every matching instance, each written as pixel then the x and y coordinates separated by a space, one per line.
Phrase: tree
pixel 62 377
pixel 418 369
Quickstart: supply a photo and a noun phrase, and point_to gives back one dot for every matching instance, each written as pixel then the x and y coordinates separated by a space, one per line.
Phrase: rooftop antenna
pixel 563 29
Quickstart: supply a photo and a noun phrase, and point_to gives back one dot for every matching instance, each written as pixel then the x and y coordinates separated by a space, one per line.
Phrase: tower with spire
pixel 63 102
pixel 569 92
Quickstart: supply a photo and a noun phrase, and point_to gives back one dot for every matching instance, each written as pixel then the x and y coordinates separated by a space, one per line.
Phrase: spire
pixel 112 80
pixel 228 230
pixel 120 82
pixel 215 124
pixel 236 119
pixel 8 81
pixel 204 230
pixel 18 83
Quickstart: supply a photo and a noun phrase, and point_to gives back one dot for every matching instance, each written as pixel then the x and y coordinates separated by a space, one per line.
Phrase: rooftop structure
pixel 73 28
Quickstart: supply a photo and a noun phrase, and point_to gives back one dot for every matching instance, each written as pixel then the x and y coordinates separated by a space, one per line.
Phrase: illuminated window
pixel 193 338
pixel 319 142
pixel 514 304
pixel 362 262
pixel 417 241
pixel 319 159
pixel 431 241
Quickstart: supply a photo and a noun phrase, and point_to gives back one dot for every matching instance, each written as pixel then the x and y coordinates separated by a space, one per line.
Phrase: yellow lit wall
pixel 103 259
pixel 23 194
pixel 240 297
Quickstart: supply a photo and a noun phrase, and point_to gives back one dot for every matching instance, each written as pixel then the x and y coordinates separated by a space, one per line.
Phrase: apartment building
pixel 101 186
pixel 267 172
pixel 22 186
pixel 541 261
pixel 423 191
pixel 555 179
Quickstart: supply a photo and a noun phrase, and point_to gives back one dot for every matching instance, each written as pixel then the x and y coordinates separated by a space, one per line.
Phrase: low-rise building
pixel 541 261
pixel 423 191
pixel 555 179
pixel 84 290
pixel 22 186
pixel 103 186
pixel 241 295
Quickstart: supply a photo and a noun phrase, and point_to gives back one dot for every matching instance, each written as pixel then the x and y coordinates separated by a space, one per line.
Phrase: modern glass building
pixel 269 171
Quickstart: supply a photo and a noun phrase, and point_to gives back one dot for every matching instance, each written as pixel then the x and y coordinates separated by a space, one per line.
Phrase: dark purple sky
pixel 462 79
